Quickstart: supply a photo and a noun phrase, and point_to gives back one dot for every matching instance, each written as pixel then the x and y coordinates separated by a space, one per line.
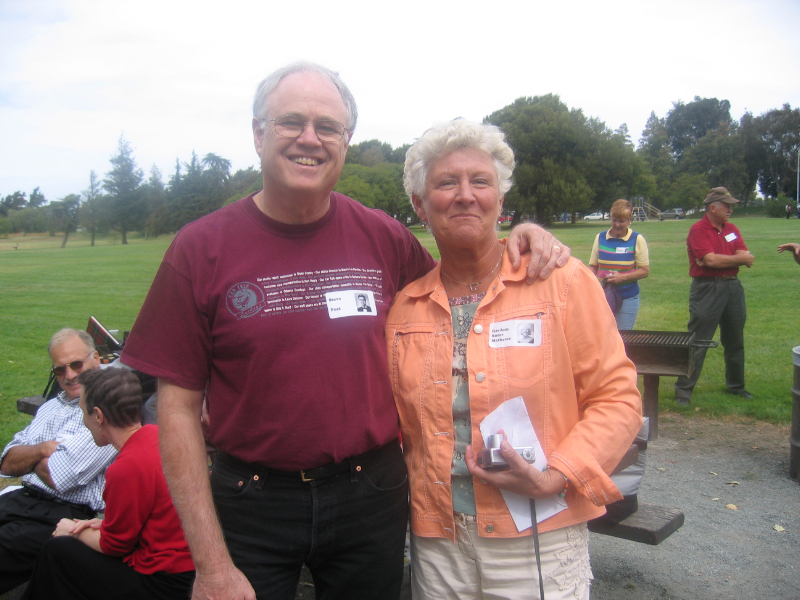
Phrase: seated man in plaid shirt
pixel 62 469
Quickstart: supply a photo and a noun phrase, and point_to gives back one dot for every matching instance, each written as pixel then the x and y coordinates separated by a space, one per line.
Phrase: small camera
pixel 491 458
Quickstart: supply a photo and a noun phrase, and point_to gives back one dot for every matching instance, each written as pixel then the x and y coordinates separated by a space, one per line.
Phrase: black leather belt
pixel 34 492
pixel 316 473
pixel 720 278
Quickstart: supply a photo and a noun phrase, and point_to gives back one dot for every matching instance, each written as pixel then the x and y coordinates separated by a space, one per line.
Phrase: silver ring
pixel 556 247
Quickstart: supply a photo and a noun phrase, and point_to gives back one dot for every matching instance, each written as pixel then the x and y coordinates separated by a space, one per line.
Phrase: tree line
pixel 566 163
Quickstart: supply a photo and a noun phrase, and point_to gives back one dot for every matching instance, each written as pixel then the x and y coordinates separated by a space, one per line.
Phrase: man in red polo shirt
pixel 716 251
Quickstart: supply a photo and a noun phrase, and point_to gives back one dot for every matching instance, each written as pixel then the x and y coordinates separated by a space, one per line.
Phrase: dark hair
pixel 116 392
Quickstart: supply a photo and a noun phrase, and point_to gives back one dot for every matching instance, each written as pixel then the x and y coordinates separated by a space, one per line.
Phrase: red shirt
pixel 704 238
pixel 239 307
pixel 140 523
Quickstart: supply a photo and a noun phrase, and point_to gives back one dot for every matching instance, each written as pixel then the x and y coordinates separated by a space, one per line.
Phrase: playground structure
pixel 643 210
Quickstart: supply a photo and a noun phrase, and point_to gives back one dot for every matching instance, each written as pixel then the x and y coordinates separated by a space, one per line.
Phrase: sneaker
pixel 743 393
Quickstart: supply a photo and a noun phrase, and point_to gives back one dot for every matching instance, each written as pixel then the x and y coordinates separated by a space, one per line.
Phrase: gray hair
pixel 458 134
pixel 61 336
pixel 268 85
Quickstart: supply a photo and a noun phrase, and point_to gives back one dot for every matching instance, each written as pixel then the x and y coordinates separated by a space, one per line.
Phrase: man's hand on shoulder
pixel 227 583
pixel 547 252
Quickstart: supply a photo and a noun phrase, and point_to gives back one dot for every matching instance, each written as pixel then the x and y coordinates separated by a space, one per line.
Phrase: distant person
pixel 620 258
pixel 797 212
pixel 138 549
pixel 62 470
pixel 794 248
pixel 788 209
pixel 716 251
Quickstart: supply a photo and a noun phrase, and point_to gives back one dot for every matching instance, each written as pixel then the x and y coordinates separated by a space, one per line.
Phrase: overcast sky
pixel 177 76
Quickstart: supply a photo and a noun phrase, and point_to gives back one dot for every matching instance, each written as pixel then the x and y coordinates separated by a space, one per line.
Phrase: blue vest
pixel 615 254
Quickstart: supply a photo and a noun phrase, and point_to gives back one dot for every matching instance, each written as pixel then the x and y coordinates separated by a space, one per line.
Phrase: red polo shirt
pixel 704 238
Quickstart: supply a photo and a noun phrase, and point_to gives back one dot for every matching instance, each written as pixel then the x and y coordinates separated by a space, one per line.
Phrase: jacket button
pixel 480 377
pixel 489 528
pixel 479 328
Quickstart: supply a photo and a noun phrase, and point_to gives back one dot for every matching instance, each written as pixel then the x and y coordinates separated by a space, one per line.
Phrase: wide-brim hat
pixel 720 194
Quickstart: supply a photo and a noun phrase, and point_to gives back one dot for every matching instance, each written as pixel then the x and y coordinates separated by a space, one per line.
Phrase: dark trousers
pixel 68 569
pixel 715 303
pixel 349 529
pixel 26 523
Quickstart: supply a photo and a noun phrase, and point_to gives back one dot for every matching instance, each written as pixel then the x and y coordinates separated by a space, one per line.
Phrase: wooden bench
pixel 650 524
pixel 30 404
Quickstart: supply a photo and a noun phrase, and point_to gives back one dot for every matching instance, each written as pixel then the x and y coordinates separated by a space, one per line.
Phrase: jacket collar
pixel 431 284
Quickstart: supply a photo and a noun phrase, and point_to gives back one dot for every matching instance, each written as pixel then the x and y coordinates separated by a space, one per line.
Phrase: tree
pixel 375 152
pixel 378 186
pixel 686 124
pixel 201 189
pixel 65 215
pixel 155 198
pixel 90 211
pixel 36 199
pixel 565 162
pixel 123 186
pixel 220 168
pixel 15 201
pixel 778 132
pixel 719 158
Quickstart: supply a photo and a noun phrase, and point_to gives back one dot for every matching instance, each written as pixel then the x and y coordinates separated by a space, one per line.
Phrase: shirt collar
pixel 624 238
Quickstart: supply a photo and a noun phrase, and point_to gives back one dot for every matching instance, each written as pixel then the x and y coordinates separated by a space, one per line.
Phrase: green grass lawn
pixel 44 287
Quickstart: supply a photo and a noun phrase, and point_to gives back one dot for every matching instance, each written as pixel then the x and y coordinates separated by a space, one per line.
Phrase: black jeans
pixel 349 529
pixel 26 523
pixel 68 569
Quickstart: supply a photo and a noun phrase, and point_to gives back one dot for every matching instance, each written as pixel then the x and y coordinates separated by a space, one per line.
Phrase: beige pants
pixel 482 568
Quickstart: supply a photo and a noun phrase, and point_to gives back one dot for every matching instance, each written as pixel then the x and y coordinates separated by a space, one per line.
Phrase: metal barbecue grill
pixel 657 353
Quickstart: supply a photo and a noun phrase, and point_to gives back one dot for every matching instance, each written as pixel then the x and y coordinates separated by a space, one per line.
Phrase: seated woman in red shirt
pixel 138 550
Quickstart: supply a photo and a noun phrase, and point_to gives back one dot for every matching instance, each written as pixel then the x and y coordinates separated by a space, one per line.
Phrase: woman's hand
pixel 75 526
pixel 522 478
pixel 87 524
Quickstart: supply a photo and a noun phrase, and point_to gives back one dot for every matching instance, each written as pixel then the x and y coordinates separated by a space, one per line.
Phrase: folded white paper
pixel 512 417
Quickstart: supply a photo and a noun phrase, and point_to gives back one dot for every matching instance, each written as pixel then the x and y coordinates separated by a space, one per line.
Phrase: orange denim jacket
pixel 579 388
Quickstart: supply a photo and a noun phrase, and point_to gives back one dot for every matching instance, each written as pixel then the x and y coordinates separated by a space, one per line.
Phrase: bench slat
pixel 30 404
pixel 650 524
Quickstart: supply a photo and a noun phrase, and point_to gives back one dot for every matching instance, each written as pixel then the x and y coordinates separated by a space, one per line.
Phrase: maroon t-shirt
pixel 239 307
pixel 704 238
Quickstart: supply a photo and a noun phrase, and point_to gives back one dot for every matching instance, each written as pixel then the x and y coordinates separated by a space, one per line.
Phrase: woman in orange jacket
pixel 472 335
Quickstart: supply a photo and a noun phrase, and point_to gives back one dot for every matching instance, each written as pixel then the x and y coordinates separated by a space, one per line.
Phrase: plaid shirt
pixel 78 466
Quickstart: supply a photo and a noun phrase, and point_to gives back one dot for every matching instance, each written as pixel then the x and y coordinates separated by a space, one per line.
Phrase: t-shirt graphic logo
pixel 245 300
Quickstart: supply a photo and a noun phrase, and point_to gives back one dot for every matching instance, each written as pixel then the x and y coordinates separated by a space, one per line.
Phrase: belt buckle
pixel 304 478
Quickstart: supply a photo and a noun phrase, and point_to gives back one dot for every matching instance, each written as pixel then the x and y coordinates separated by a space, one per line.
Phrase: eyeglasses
pixel 75 365
pixel 289 126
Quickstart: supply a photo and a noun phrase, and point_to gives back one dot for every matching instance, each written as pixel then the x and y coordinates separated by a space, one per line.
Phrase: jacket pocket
pixel 525 362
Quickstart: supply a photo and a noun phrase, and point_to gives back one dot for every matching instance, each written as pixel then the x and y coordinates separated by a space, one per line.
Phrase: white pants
pixel 483 568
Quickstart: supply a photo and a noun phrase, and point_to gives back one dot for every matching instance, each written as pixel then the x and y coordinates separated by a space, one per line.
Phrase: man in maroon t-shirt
pixel 716 251
pixel 273 309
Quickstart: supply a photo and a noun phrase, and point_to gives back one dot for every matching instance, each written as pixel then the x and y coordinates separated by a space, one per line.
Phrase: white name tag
pixel 515 333
pixel 730 237
pixel 623 250
pixel 351 303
